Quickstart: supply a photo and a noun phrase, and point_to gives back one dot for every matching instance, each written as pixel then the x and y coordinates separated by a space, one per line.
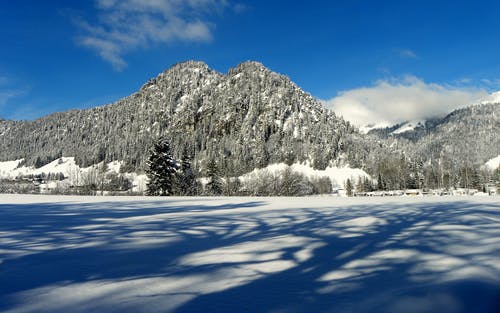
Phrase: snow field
pixel 314 254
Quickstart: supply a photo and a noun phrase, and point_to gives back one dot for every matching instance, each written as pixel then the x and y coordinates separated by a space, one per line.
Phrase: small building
pixel 413 192
pixel 491 189
pixel 464 192
pixel 339 192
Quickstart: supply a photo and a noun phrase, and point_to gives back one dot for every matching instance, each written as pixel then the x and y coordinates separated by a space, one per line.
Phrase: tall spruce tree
pixel 497 179
pixel 161 170
pixel 186 184
pixel 380 182
pixel 348 187
pixel 214 185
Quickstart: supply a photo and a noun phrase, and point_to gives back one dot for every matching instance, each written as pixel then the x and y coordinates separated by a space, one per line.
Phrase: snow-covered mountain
pixel 469 135
pixel 409 126
pixel 248 118
pixel 408 129
pixel 416 126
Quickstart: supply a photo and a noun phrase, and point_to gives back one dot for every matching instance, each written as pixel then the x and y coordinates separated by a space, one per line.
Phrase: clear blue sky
pixel 56 55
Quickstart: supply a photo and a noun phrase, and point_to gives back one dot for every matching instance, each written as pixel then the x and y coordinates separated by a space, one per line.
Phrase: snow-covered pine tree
pixel 348 187
pixel 161 169
pixel 380 182
pixel 186 184
pixel 497 178
pixel 214 185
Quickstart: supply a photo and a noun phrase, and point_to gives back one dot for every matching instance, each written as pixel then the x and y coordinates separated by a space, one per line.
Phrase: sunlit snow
pixel 338 175
pixel 316 254
pixel 408 126
pixel 494 163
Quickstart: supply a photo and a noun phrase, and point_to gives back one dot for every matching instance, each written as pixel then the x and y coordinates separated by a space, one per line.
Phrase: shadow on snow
pixel 202 255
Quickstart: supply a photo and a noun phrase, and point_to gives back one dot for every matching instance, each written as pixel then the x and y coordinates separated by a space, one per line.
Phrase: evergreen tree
pixel 161 170
pixel 214 185
pixel 367 184
pixel 360 186
pixel 348 187
pixel 232 186
pixel 380 182
pixel 185 180
pixel 322 185
pixel 497 179
pixel 475 179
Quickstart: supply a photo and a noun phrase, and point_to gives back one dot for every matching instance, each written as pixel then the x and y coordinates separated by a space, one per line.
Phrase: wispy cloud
pixel 10 94
pixel 491 83
pixel 396 100
pixel 6 95
pixel 8 90
pixel 123 26
pixel 407 54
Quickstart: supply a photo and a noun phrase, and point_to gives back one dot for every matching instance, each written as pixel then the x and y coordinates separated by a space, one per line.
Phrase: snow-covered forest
pixel 248 119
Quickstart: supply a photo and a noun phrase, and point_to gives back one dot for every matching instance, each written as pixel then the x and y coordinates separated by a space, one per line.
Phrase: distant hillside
pixel 465 136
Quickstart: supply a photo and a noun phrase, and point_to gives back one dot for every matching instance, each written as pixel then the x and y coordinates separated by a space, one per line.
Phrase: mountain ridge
pixel 204 113
pixel 249 118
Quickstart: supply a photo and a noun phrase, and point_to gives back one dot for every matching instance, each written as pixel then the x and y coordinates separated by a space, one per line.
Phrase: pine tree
pixel 348 187
pixel 162 169
pixel 185 180
pixel 497 179
pixel 367 184
pixel 214 185
pixel 232 186
pixel 380 182
pixel 360 186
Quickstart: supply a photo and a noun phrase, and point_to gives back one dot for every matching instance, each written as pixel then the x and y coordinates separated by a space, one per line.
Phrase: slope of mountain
pixel 469 135
pixel 247 118
pixel 411 130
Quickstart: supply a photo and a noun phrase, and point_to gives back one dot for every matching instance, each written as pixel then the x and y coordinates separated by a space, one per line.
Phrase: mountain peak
pixel 186 69
pixel 248 66
pixel 191 64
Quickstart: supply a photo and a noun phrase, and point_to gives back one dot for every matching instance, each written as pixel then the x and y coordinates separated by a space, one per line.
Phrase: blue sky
pixel 57 55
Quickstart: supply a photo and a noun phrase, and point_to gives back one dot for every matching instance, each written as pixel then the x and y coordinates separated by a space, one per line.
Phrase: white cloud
pixel 491 83
pixel 7 91
pixel 127 25
pixel 5 95
pixel 407 54
pixel 397 100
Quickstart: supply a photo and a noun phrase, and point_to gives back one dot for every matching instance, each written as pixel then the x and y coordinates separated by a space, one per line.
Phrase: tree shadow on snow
pixel 179 256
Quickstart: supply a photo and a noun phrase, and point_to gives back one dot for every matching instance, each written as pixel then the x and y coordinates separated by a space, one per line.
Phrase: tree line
pixel 169 177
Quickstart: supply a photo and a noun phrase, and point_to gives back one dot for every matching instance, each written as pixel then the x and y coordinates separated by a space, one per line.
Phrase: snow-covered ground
pixel 74 173
pixel 338 175
pixel 68 167
pixel 365 129
pixel 493 164
pixel 409 126
pixel 317 254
